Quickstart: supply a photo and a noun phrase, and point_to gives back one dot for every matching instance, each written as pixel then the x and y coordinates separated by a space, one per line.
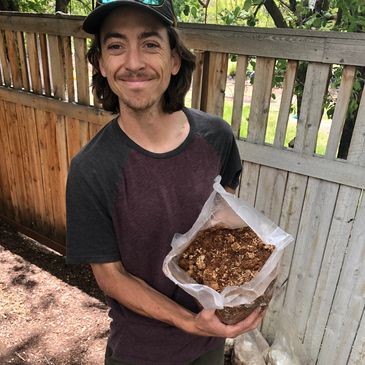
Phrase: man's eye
pixel 151 45
pixel 114 46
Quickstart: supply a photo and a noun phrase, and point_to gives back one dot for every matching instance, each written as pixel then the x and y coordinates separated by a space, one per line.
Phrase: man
pixel 142 178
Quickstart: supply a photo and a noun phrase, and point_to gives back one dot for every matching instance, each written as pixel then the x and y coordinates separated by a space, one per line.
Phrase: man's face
pixel 136 58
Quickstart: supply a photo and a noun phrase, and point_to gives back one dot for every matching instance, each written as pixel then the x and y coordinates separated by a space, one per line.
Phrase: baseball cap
pixel 162 8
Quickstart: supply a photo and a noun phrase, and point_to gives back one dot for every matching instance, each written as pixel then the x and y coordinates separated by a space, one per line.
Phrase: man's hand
pixel 206 323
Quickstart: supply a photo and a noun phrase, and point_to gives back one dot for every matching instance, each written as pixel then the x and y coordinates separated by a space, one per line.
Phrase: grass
pixel 271 126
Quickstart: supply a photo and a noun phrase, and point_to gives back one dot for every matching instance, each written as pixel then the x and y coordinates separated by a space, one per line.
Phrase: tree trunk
pixel 275 14
pixel 10 5
pixel 61 5
pixel 349 125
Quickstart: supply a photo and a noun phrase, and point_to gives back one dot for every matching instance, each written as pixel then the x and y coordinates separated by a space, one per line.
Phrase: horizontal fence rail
pixel 48 112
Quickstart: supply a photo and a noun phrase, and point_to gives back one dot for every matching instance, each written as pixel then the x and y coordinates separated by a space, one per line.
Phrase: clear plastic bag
pixel 223 208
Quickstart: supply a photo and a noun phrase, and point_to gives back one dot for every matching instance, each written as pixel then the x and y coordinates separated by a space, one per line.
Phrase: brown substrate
pixel 219 257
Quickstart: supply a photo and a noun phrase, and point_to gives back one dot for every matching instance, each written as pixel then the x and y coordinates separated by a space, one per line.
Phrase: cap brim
pixel 94 20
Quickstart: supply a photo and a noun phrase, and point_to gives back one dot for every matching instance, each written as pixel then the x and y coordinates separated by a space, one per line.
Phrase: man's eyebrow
pixel 152 33
pixel 113 35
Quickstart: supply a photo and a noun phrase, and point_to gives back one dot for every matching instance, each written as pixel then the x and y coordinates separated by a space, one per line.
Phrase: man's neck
pixel 153 129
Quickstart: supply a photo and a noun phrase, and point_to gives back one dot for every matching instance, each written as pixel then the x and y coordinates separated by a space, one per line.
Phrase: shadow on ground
pixel 79 276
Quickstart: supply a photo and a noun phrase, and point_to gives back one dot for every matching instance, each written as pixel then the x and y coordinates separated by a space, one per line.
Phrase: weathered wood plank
pixel 311 109
pixel 285 104
pixel 43 120
pixel 214 82
pixel 36 168
pixel 339 117
pixel 69 70
pixel 72 110
pixel 311 240
pixel 338 237
pixel 4 60
pixel 259 112
pixel 23 60
pixel 197 80
pixel 357 356
pixel 61 177
pixel 45 67
pixel 11 47
pixel 77 133
pixel 277 43
pixel 57 67
pixel 81 67
pixel 260 104
pixel 316 46
pixel 15 154
pixel 239 92
pixel 34 62
pixel 349 301
pixel 28 206
pixel 338 171
pixel 289 222
pixel 5 191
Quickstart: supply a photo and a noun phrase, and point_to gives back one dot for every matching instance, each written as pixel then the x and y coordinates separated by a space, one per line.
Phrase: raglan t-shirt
pixel 126 203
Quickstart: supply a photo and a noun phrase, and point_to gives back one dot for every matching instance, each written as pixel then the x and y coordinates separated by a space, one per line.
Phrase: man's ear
pixel 176 62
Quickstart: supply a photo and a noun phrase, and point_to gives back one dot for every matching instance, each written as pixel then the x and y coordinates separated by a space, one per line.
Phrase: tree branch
pixel 275 14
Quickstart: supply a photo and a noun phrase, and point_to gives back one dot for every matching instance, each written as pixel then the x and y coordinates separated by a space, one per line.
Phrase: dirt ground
pixel 50 313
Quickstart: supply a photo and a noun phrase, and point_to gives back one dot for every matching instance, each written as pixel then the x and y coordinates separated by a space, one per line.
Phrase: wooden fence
pixel 47 115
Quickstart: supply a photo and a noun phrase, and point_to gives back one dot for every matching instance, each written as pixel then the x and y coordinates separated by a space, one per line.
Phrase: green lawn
pixel 273 116
pixel 270 132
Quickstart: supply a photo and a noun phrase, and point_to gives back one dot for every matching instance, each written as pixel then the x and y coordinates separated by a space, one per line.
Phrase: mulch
pixel 50 313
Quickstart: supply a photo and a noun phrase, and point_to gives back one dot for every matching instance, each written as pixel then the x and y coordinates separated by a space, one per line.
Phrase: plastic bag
pixel 287 348
pixel 249 349
pixel 225 209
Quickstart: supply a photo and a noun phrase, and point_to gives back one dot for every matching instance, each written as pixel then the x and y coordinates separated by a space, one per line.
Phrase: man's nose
pixel 134 59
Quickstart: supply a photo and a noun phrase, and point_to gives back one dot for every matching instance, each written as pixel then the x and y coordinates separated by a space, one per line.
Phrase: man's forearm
pixel 139 297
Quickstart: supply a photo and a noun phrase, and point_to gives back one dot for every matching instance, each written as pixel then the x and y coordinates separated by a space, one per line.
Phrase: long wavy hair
pixel 174 96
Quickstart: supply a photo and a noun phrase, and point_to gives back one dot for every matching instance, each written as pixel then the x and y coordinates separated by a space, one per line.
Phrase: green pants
pixel 213 357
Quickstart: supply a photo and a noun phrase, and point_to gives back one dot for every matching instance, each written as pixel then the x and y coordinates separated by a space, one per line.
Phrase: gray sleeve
pixel 90 233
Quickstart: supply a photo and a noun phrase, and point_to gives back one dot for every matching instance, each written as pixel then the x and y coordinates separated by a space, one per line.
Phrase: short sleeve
pixel 232 165
pixel 90 233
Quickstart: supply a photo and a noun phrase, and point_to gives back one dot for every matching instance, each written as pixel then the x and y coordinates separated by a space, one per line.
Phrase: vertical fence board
pixel 45 67
pixel 36 169
pixel 259 112
pixel 23 60
pixel 77 133
pixel 17 168
pixel 239 92
pixel 338 237
pixel 66 43
pixel 214 82
pixel 57 66
pixel 339 116
pixel 43 120
pixel 4 60
pixel 289 222
pixel 349 300
pixel 312 107
pixel 357 356
pixel 34 63
pixel 94 129
pixel 286 98
pixel 5 191
pixel 197 80
pixel 11 47
pixel 81 66
pixel 60 177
